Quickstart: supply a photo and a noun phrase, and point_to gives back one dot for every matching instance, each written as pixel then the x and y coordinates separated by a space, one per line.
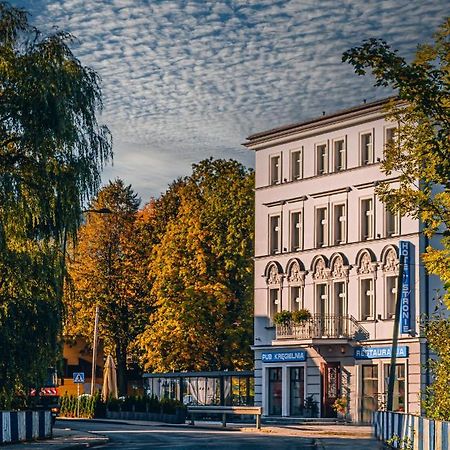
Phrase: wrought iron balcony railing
pixel 322 326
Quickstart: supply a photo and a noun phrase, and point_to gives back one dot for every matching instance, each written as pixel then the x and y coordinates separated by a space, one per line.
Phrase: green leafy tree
pixel 108 269
pixel 420 155
pixel 51 153
pixel 202 272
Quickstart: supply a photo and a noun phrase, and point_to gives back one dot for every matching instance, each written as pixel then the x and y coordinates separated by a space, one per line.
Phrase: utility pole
pixel 94 351
pixel 390 392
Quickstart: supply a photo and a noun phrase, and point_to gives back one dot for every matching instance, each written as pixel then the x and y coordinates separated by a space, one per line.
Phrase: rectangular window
pixel 274 302
pixel 340 162
pixel 275 169
pixel 275 385
pixel 389 135
pixel 367 219
pixel 295 298
pixel 391 223
pixel 296 231
pixel 399 396
pixel 275 235
pixel 366 149
pixel 391 296
pixel 296 165
pixel 366 295
pixel 340 299
pixel 321 227
pixel 340 224
pixel 322 299
pixel 322 159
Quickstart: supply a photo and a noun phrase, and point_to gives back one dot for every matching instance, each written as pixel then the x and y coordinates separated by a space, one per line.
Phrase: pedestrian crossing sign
pixel 78 377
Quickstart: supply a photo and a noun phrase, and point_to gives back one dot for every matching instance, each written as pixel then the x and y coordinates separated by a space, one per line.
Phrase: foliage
pixel 312 405
pixel 419 153
pixel 108 268
pixel 436 401
pixel 90 406
pixel 51 153
pixel 400 443
pixel 201 272
pixel 301 316
pixel 419 157
pixel 340 405
pixel 282 317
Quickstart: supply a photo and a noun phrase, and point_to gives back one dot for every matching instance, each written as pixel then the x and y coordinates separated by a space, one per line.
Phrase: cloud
pixel 186 79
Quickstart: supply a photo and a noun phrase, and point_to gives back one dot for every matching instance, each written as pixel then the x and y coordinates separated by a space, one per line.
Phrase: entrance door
pixel 296 391
pixel 331 387
pixel 369 391
pixel 275 391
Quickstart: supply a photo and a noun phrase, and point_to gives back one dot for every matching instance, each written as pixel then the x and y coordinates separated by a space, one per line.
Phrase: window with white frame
pixel 322 306
pixel 296 231
pixel 295 298
pixel 274 302
pixel 321 227
pixel 366 148
pixel 400 386
pixel 391 296
pixel 367 299
pixel 275 234
pixel 367 219
pixel 340 224
pixel 340 298
pixel 275 169
pixel 321 159
pixel 296 165
pixel 340 159
pixel 389 135
pixel 391 223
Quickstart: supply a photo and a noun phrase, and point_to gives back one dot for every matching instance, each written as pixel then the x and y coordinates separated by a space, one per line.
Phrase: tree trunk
pixel 121 357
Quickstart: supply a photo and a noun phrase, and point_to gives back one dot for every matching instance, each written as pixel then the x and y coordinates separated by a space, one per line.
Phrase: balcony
pixel 323 327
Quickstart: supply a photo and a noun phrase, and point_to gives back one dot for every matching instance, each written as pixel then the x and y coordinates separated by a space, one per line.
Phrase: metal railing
pixel 323 326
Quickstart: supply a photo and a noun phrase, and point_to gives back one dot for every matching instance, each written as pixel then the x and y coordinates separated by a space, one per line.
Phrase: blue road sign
pixel 78 377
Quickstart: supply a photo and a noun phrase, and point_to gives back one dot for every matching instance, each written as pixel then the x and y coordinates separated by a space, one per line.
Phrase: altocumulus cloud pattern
pixel 188 79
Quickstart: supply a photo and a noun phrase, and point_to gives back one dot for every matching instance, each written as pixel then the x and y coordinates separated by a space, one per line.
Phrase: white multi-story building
pixel 325 243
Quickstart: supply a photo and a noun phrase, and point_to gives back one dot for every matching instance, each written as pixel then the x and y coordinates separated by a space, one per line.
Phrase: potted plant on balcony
pixel 282 318
pixel 301 316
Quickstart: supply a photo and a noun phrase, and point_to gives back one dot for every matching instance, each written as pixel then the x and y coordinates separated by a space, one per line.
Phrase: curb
pixel 84 445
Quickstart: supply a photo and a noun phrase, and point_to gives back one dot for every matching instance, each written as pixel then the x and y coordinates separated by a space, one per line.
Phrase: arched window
pixel 296 280
pixel 339 269
pixel 390 266
pixel 366 269
pixel 274 280
pixel 321 277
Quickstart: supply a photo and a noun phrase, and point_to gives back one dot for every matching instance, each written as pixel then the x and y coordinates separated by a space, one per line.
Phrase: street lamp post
pixel 94 346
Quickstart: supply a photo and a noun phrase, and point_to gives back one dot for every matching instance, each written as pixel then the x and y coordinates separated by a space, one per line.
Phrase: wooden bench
pixel 227 410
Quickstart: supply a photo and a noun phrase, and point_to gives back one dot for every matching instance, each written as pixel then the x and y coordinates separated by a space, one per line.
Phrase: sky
pixel 184 80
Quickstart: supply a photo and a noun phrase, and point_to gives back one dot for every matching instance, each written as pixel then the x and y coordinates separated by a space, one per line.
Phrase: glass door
pixel 296 391
pixel 275 390
pixel 369 391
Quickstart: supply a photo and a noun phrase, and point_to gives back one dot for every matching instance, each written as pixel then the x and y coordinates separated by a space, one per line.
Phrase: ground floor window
pixel 275 390
pixel 399 403
pixel 369 391
pixel 297 390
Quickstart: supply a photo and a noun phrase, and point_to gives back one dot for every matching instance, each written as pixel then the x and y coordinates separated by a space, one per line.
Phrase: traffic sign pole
pixel 78 400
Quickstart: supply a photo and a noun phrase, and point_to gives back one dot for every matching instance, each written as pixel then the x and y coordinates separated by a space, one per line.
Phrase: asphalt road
pixel 135 437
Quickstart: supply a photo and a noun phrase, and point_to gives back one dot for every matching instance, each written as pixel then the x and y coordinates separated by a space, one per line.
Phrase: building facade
pixel 326 244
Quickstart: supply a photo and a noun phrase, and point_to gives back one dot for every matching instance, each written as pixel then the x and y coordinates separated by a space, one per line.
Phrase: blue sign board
pixel 405 298
pixel 380 352
pixel 297 355
pixel 78 377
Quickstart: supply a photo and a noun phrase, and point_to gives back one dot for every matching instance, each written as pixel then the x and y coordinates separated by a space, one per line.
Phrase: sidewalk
pixel 63 439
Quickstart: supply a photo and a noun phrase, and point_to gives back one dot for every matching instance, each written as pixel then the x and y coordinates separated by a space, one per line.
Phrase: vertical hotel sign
pixel 405 299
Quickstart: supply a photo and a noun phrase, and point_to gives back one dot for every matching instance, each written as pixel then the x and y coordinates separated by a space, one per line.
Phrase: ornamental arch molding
pixel 273 274
pixel 389 259
pixel 366 262
pixel 296 272
pixel 339 266
pixel 319 268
